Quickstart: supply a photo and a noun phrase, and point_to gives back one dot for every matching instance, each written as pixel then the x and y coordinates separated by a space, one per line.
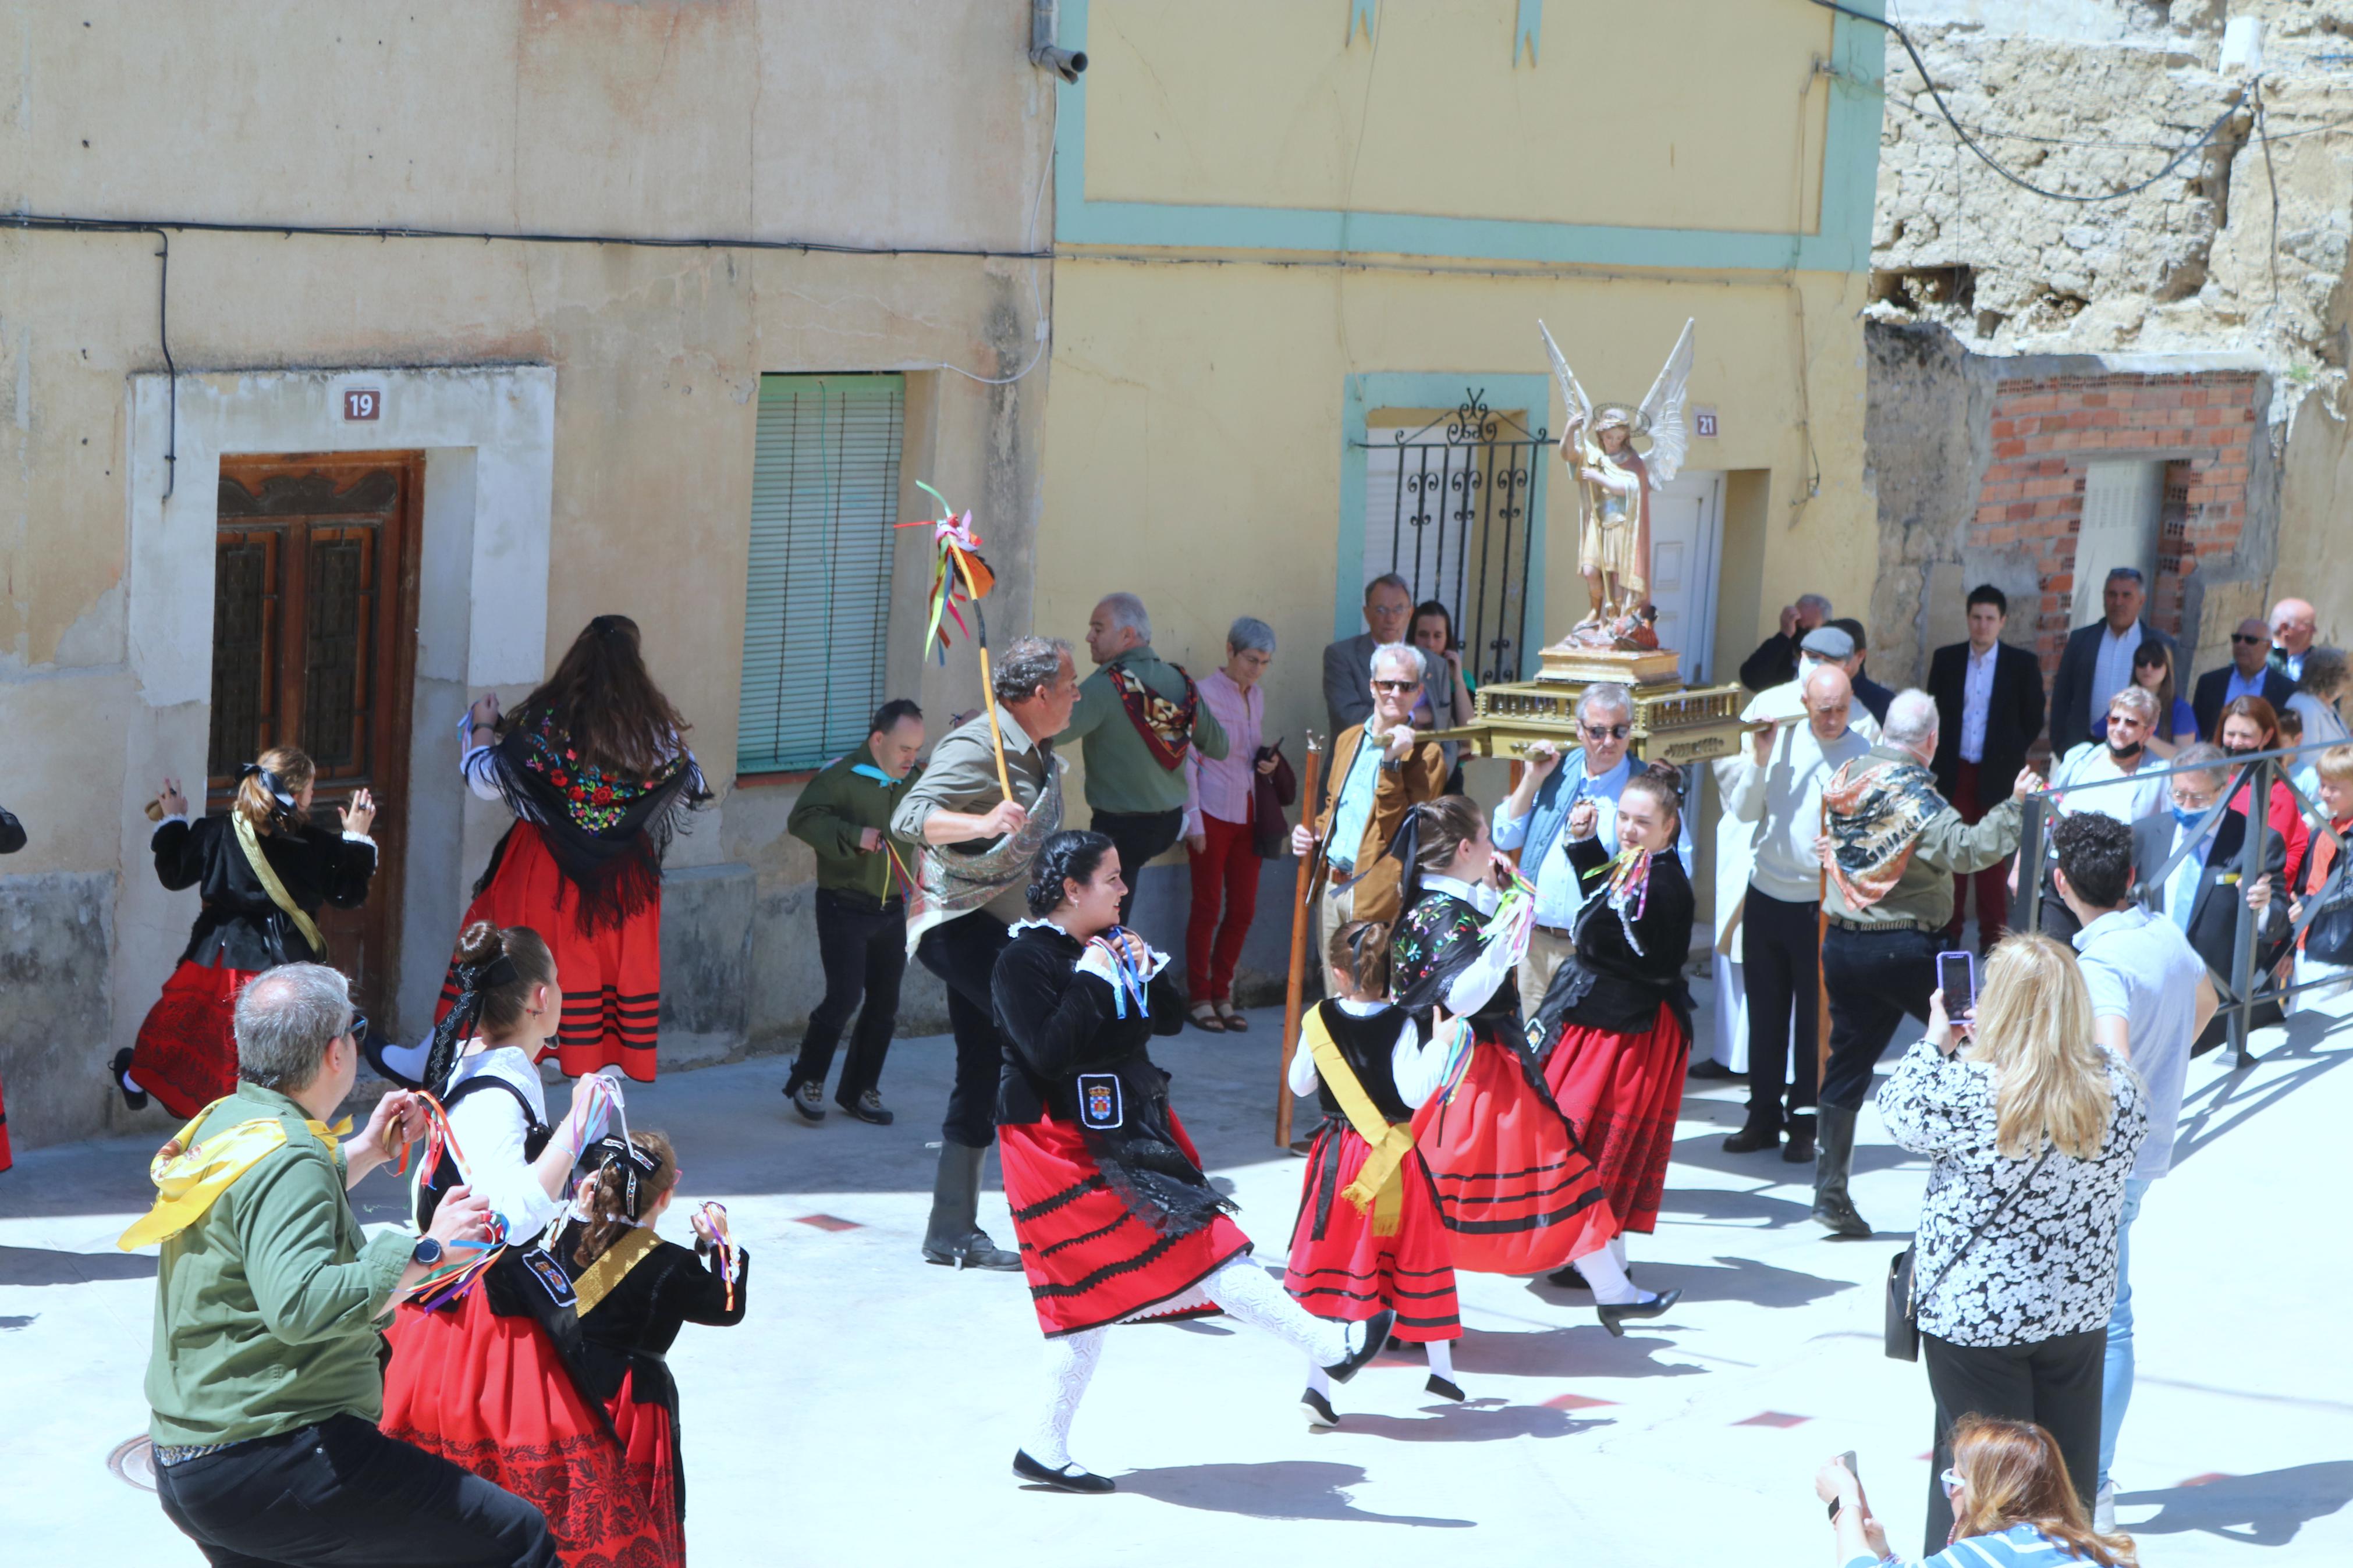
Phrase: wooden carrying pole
pixel 1303 916
pixel 1822 979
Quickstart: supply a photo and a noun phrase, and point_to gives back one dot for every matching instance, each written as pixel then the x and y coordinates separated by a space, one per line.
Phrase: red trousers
pixel 1993 882
pixel 1225 872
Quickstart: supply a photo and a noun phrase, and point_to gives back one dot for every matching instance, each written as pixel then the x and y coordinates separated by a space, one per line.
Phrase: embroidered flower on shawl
pixel 593 800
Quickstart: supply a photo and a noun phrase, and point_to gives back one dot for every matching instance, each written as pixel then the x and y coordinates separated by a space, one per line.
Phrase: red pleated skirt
pixel 185 1055
pixel 490 1393
pixel 1517 1194
pixel 1622 1093
pixel 1339 1268
pixel 649 1455
pixel 611 976
pixel 1089 1258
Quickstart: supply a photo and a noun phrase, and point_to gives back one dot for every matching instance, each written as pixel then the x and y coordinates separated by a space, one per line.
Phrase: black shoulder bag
pixel 1902 1332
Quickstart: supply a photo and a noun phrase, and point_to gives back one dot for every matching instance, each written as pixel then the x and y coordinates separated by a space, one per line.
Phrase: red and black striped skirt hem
pixel 1090 1259
pixel 1517 1191
pixel 1340 1269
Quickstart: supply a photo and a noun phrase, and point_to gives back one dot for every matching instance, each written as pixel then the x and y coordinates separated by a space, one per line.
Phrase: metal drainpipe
pixel 2031 855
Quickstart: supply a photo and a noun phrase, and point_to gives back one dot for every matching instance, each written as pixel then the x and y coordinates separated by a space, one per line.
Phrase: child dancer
pixel 636 1290
pixel 1369 1235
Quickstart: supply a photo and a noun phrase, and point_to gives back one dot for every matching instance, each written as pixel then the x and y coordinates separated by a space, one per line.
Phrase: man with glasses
pixel 2250 673
pixel 2293 623
pixel 1531 819
pixel 2099 660
pixel 2186 867
pixel 1348 686
pixel 1380 770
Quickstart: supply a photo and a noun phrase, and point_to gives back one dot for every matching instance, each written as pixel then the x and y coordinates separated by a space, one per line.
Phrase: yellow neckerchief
pixel 190 1178
pixel 1379 1185
pixel 634 1247
pixel 274 888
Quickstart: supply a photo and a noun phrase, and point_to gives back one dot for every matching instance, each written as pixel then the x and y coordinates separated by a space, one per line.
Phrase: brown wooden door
pixel 315 641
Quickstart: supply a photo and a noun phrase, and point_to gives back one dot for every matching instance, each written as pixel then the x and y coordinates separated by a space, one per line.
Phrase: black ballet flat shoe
pixel 1443 1389
pixel 1377 1336
pixel 1613 1318
pixel 1069 1478
pixel 1318 1410
pixel 133 1098
pixel 372 1052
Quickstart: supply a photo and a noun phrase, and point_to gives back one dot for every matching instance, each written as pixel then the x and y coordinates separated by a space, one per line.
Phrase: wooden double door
pixel 314 644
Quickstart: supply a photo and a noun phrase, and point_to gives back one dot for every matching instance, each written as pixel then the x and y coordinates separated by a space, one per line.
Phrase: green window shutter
pixel 825 494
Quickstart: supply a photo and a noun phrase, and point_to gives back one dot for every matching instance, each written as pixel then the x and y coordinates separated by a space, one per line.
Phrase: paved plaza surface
pixel 866 1410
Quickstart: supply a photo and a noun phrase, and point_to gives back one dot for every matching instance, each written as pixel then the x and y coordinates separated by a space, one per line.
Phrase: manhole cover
pixel 134 1462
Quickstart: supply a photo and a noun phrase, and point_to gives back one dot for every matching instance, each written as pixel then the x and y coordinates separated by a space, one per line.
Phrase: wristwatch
pixel 426 1253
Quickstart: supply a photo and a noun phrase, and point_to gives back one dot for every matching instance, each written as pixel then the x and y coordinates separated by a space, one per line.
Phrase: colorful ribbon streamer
pixel 1128 978
pixel 959 574
pixel 714 1215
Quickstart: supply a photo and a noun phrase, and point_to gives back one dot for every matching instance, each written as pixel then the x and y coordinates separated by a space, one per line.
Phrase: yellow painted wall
pixel 1668 114
pixel 1195 427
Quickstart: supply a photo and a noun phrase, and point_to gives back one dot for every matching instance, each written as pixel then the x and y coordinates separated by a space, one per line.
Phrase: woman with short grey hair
pixel 2316 692
pixel 1224 801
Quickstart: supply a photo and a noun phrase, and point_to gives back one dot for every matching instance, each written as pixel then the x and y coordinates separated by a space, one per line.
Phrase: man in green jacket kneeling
pixel 266 1381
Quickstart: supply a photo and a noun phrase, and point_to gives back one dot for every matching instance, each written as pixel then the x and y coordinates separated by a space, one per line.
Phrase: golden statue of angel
pixel 1615 480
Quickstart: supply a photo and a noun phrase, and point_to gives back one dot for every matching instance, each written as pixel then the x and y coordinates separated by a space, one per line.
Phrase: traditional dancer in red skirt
pixel 1369 1235
pixel 636 1292
pixel 1116 1222
pixel 594 767
pixel 1616 1021
pixel 1516 1192
pixel 494 1375
pixel 264 869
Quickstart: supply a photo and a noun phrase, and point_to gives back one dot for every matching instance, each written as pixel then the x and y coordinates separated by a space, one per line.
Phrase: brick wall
pixel 2044 430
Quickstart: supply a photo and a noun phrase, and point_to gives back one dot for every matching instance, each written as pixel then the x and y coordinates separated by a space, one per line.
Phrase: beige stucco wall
pixel 773 119
pixel 1195 433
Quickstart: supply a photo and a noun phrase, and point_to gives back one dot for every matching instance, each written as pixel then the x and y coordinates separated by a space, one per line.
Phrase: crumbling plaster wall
pixel 2086 97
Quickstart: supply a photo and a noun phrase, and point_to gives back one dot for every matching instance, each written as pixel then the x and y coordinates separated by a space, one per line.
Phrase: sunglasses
pixel 2242 636
pixel 1607 732
pixel 358 1031
pixel 1395 685
pixel 1951 1482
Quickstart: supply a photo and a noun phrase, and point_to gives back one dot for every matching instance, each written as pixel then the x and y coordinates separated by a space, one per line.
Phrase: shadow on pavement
pixel 2222 1104
pixel 1586 1349
pixel 41 1266
pixel 1738 1280
pixel 1727 1205
pixel 1477 1421
pixel 1286 1489
pixel 2263 1509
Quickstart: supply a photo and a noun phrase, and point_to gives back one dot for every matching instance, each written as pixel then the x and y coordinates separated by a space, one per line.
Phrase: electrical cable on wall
pixel 1991 162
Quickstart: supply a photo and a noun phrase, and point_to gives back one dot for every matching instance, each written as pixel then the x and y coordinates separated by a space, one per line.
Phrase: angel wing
pixel 1662 410
pixel 1572 396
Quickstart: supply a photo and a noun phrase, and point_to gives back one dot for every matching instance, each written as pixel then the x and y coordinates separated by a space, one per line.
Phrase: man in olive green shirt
pixel 1879 955
pixel 844 813
pixel 266 1381
pixel 1137 716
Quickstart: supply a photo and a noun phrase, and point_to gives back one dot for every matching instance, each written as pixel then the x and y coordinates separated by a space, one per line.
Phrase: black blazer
pixel 2207 700
pixel 2214 916
pixel 1775 663
pixel 2071 689
pixel 2013 716
pixel 1875 699
pixel 12 834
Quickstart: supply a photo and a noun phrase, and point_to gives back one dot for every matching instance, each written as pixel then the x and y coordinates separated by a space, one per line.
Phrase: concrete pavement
pixel 866 1410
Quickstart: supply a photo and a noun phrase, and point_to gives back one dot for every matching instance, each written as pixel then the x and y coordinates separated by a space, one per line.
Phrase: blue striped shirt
pixel 2020 1546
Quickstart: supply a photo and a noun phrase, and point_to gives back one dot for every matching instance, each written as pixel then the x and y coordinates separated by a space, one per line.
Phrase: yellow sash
pixel 635 1246
pixel 276 889
pixel 190 1178
pixel 1380 1186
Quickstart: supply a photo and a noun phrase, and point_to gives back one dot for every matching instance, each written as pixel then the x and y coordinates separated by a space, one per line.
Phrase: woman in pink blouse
pixel 1218 808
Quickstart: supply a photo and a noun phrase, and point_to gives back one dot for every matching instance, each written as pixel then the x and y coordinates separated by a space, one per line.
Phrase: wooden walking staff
pixel 1822 978
pixel 1302 915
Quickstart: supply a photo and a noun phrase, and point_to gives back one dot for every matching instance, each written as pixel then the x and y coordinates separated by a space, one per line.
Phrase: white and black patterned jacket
pixel 2048 1266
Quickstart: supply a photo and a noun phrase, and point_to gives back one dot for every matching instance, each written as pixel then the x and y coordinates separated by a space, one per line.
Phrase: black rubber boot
pixel 1831 1164
pixel 954 1237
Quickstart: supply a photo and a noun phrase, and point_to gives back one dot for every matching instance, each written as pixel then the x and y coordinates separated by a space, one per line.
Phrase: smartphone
pixel 1957 976
pixel 1847 1458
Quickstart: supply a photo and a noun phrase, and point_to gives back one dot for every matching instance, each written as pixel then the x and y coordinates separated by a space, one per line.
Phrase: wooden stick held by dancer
pixel 1301 914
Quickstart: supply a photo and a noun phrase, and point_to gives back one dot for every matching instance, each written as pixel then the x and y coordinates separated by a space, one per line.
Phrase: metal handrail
pixel 2259 771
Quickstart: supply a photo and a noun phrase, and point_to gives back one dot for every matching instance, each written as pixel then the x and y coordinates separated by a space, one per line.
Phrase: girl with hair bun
pixel 263 869
pixel 636 1291
pixel 495 1378
pixel 1369 1235
pixel 1116 1221
pixel 1615 1024
pixel 1516 1192
pixel 593 766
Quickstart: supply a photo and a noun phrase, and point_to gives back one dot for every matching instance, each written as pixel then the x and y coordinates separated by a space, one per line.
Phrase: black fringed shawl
pixel 1057 1023
pixel 1437 938
pixel 607 834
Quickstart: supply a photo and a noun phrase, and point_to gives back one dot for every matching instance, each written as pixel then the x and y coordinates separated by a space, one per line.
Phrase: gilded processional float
pixel 1621 456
